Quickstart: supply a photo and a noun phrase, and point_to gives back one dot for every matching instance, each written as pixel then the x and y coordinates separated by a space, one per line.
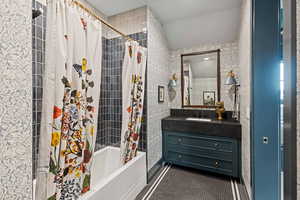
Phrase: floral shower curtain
pixel 70 102
pixel 133 80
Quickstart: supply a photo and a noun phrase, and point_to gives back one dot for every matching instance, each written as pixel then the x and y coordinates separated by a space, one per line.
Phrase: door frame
pixel 290 100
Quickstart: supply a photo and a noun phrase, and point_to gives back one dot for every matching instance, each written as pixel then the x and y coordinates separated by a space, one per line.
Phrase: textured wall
pixel 158 74
pixel 133 21
pixel 229 60
pixel 15 98
pixel 245 90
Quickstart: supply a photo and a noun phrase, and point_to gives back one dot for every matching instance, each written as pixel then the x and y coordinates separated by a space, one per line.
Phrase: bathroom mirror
pixel 200 79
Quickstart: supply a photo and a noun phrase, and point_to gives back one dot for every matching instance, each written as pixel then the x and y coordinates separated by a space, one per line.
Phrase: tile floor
pixel 181 183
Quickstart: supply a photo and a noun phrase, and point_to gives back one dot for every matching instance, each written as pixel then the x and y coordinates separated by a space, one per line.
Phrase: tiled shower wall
pixel 38 65
pixel 110 105
pixel 133 24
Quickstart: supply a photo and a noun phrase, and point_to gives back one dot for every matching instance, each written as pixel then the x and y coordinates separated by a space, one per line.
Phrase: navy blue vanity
pixel 194 138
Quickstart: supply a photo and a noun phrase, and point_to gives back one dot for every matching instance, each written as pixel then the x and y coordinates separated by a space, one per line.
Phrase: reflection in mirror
pixel 200 79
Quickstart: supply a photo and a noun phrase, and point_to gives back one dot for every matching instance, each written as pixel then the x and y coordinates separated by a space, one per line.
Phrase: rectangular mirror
pixel 200 79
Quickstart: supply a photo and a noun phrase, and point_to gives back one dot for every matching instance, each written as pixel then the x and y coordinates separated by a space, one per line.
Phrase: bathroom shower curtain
pixel 70 102
pixel 133 80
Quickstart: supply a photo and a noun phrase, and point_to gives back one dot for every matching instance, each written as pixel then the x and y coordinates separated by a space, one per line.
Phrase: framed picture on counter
pixel 209 98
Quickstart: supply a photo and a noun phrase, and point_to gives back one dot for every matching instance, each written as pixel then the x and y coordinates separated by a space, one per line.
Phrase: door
pixel 265 100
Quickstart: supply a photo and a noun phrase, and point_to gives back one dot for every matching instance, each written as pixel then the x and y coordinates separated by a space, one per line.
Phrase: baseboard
pixel 153 171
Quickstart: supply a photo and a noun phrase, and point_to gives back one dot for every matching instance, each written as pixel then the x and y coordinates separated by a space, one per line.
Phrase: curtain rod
pixel 101 20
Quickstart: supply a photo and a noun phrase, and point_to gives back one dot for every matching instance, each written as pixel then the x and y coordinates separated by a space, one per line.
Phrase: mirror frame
pixel 218 51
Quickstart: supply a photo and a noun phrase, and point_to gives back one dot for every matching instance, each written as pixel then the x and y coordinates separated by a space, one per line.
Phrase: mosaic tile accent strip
pixel 15 98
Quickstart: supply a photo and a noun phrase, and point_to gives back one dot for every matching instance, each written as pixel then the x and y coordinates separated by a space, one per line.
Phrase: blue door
pixel 265 104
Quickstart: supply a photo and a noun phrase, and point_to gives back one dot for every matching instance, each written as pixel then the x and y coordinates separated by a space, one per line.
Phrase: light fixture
pixel 231 80
pixel 173 81
pixel 206 59
pixel 171 86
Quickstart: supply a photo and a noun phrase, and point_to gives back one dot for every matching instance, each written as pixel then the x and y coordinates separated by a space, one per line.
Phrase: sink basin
pixel 198 119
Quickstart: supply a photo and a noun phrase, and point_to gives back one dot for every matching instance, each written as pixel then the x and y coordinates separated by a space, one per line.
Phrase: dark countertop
pixel 224 128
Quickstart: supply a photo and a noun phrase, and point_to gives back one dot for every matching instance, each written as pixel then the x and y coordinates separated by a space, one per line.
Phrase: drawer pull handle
pixel 179 156
pixel 179 140
pixel 216 144
pixel 217 164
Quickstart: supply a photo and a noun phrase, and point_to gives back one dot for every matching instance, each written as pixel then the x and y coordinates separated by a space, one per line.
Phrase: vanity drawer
pixel 209 143
pixel 198 150
pixel 213 165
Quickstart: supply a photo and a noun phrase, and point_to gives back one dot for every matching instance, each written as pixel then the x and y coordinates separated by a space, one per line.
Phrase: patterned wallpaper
pixel 158 73
pixel 229 60
pixel 15 98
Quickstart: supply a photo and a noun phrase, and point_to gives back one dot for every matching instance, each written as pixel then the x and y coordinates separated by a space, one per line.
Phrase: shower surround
pixel 110 105
pixel 134 24
pixel 109 124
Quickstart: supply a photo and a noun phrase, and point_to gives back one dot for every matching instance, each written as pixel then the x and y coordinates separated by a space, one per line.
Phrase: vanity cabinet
pixel 211 153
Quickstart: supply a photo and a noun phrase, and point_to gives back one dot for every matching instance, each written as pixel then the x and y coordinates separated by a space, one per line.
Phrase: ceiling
pixel 187 23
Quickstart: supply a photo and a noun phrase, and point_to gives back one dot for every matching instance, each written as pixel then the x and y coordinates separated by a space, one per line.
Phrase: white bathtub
pixel 110 181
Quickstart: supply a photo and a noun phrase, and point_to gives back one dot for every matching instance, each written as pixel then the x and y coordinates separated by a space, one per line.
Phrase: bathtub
pixel 110 181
